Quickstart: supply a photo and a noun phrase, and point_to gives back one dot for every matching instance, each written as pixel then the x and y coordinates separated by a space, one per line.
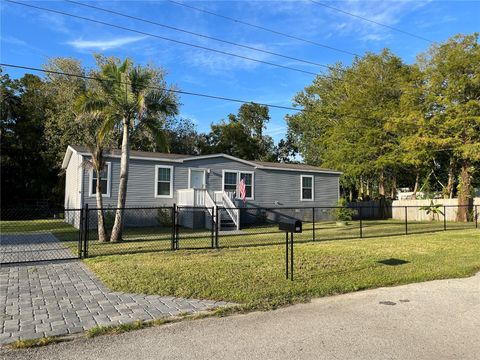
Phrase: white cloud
pixel 384 12
pixel 220 63
pixel 103 45
pixel 12 40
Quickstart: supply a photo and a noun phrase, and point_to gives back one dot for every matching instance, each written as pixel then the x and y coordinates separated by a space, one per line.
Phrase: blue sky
pixel 29 37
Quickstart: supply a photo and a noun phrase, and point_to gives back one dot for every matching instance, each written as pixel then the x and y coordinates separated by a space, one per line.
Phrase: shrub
pixel 164 217
pixel 343 212
pixel 432 209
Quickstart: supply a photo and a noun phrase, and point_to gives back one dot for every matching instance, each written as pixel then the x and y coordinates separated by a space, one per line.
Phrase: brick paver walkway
pixel 60 298
pixel 36 246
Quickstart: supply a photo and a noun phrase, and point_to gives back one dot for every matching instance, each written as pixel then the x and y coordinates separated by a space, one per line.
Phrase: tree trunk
pixel 464 191
pixel 381 183
pixel 393 192
pixel 448 194
pixel 362 195
pixel 381 193
pixel 122 187
pixel 102 235
pixel 415 188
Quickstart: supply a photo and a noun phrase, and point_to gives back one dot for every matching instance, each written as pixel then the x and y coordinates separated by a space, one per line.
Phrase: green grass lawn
pixel 255 275
pixel 159 238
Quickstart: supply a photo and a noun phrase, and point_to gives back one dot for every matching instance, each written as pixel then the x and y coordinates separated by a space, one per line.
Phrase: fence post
pixel 360 214
pixel 177 228
pixel 406 221
pixel 174 225
pixel 286 255
pixel 85 233
pixel 80 234
pixel 213 225
pixel 291 256
pixel 313 220
pixel 216 227
pixel 444 218
pixel 476 217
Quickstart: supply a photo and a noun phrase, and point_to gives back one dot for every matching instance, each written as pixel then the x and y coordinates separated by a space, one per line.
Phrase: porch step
pixel 227 225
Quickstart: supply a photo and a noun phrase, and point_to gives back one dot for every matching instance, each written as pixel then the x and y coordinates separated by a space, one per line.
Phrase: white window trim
pixel 238 172
pixel 109 182
pixel 156 182
pixel 204 177
pixel 301 187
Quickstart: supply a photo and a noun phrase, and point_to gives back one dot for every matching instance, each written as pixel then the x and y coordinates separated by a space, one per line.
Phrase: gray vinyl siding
pixel 284 187
pixel 269 185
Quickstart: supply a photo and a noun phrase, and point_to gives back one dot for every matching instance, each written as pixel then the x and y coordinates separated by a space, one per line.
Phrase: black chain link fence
pixel 28 235
pixel 42 234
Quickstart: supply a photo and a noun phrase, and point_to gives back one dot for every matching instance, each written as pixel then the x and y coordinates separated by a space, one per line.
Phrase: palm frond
pixel 90 103
pixel 158 134
pixel 161 102
pixel 106 128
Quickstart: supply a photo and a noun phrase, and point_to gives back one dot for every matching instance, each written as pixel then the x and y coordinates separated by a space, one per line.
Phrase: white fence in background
pixel 415 214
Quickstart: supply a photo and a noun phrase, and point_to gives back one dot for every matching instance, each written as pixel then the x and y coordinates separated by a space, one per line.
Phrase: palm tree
pixel 136 100
pixel 98 141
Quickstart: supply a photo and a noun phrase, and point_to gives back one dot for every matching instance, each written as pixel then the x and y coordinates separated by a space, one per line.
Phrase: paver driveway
pixel 49 299
pixel 36 246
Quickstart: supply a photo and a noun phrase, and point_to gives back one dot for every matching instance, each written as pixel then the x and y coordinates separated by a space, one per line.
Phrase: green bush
pixel 432 210
pixel 109 218
pixel 164 217
pixel 343 212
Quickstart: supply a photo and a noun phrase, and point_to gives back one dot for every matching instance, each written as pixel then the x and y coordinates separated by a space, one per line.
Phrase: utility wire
pixel 300 110
pixel 263 28
pixel 184 93
pixel 197 34
pixel 371 21
pixel 190 93
pixel 163 38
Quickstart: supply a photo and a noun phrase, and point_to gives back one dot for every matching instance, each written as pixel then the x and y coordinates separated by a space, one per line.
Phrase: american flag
pixel 243 190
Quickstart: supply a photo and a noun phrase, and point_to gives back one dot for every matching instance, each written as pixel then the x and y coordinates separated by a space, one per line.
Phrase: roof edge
pixel 321 171
pixel 67 157
pixel 71 150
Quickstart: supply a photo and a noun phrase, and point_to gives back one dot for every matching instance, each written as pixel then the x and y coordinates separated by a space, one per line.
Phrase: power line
pixel 163 38
pixel 198 34
pixel 263 28
pixel 190 93
pixel 187 93
pixel 371 21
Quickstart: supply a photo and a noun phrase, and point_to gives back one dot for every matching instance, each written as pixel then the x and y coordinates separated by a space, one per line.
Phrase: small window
pixel 230 181
pixel 248 184
pixel 306 189
pixel 163 181
pixel 104 176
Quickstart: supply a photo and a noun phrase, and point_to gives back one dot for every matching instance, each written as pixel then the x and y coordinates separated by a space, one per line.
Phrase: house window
pixel 306 188
pixel 163 181
pixel 104 176
pixel 231 180
pixel 248 184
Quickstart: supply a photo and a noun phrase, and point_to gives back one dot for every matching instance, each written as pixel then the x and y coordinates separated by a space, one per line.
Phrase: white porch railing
pixel 210 205
pixel 231 209
pixel 191 197
pixel 201 198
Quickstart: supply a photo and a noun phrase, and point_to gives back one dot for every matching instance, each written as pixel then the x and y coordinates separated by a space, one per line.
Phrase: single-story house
pixel 160 179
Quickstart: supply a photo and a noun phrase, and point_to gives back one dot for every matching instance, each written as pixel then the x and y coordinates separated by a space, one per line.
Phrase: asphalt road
pixel 432 320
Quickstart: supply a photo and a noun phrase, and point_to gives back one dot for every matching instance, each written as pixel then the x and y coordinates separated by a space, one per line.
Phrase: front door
pixel 197 179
